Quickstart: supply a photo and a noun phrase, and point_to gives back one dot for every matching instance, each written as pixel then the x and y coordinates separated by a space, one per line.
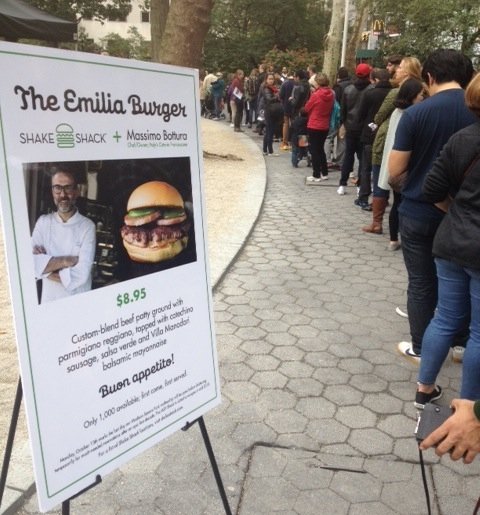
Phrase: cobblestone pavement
pixel 317 413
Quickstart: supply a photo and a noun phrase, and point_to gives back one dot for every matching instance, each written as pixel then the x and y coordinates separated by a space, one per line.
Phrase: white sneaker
pixel 400 312
pixel 311 178
pixel 324 177
pixel 406 350
pixel 341 190
pixel 232 125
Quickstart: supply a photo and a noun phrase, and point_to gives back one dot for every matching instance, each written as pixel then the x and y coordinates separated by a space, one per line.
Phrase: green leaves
pixel 91 9
pixel 425 26
pixel 243 31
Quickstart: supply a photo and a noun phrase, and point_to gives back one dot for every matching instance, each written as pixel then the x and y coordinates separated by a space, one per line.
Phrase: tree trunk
pixel 187 25
pixel 356 33
pixel 333 41
pixel 158 21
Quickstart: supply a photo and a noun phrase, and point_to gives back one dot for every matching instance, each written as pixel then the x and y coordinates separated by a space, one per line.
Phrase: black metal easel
pixel 98 480
pixel 213 461
pixel 10 438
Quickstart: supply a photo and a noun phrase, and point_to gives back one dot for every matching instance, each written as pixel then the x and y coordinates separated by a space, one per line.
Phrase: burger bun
pixel 154 193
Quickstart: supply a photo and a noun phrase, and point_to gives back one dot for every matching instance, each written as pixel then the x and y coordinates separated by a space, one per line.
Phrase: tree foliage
pixel 424 26
pixel 134 46
pixel 292 59
pixel 243 31
pixel 93 9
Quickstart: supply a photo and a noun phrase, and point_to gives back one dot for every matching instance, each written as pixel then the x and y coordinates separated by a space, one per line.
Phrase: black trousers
pixel 237 122
pixel 316 141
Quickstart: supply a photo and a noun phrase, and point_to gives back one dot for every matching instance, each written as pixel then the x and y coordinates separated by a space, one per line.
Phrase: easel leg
pixel 10 438
pixel 66 503
pixel 213 462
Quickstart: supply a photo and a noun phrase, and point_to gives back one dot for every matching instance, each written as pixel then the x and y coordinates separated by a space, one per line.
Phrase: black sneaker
pixel 361 203
pixel 422 398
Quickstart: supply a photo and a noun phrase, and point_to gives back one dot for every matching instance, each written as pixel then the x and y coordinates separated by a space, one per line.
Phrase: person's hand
pixel 69 261
pixel 54 276
pixel 39 249
pixel 342 131
pixel 459 434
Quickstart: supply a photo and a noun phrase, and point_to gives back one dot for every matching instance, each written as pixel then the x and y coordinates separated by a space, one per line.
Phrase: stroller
pixel 300 145
pixel 209 108
pixel 300 150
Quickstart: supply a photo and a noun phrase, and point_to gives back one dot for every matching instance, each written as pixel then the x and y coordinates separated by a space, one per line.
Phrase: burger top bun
pixel 154 193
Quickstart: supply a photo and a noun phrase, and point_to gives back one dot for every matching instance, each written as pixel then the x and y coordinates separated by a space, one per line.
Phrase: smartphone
pixel 432 416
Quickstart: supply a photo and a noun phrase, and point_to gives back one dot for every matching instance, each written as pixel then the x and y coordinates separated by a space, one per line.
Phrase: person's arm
pixel 45 263
pixel 446 175
pixel 387 107
pixel 363 108
pixel 310 103
pixel 459 434
pixel 398 162
pixel 80 274
pixel 344 107
pixel 55 263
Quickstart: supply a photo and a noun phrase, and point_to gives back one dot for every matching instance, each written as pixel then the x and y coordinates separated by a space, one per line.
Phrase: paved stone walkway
pixel 317 414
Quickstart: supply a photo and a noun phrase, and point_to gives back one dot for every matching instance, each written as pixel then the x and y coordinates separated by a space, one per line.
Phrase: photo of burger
pixel 156 224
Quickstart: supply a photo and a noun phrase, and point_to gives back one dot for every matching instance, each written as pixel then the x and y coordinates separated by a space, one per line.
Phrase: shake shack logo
pixel 65 136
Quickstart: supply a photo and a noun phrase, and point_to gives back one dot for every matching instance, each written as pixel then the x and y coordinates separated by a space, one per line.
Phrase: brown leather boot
pixel 379 205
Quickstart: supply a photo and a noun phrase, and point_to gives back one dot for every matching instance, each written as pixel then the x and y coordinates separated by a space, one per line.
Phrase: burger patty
pixel 152 235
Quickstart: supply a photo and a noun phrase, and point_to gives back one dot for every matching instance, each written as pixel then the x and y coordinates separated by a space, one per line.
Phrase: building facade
pixel 138 18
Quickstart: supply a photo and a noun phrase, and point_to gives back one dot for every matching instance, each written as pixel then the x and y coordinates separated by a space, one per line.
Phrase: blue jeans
pixel 217 102
pixel 458 297
pixel 417 241
pixel 377 191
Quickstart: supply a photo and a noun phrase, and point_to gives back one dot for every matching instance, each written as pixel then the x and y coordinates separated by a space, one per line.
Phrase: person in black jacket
pixel 300 92
pixel 273 112
pixel 372 99
pixel 456 247
pixel 351 127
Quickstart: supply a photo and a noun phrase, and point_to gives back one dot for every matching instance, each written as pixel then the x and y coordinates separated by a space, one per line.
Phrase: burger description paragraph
pixel 117 436
pixel 114 343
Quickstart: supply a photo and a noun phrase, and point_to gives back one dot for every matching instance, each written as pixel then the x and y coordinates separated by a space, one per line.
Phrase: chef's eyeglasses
pixel 68 189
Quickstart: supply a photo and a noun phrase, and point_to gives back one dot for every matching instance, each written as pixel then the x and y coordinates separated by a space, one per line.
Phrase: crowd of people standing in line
pixel 415 131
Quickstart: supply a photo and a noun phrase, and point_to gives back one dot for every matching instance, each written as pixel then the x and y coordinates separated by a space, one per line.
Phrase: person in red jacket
pixel 319 108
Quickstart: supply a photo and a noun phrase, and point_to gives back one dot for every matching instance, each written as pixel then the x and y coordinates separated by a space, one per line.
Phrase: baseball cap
pixel 363 70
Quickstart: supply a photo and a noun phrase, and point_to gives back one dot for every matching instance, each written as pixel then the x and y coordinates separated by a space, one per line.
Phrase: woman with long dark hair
pixel 271 105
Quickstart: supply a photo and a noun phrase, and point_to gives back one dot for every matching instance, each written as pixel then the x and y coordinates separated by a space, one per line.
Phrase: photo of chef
pixel 95 223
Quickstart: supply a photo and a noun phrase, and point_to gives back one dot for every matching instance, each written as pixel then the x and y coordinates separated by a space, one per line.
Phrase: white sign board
pixel 104 220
